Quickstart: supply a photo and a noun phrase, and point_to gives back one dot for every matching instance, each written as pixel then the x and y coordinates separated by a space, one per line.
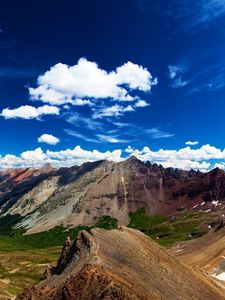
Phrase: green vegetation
pixel 14 239
pixel 106 222
pixel 166 231
pixel 139 220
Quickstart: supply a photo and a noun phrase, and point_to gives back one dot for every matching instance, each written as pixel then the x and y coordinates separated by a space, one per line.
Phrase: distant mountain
pixel 120 264
pixel 79 195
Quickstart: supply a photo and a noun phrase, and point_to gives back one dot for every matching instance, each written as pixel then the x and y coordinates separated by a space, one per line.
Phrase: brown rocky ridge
pixel 121 264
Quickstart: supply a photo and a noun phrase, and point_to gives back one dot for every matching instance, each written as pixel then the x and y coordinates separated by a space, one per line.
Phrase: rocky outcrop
pixel 65 256
pixel 121 264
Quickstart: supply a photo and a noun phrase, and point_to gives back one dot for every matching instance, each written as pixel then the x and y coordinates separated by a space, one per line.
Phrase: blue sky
pixel 118 77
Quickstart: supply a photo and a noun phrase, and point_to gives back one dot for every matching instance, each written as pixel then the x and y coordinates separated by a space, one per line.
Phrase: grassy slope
pixel 183 227
pixel 23 257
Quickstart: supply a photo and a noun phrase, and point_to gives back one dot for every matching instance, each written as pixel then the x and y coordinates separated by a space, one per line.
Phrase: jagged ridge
pixel 121 264
pixel 79 195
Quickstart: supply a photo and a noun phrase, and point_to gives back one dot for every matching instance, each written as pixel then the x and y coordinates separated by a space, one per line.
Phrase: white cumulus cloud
pixel 48 139
pixel 141 103
pixel 29 112
pixel 82 102
pixel 186 158
pixel 69 157
pixel 63 84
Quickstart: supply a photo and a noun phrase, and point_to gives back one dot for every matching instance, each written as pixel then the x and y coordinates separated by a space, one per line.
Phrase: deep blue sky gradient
pixel 38 34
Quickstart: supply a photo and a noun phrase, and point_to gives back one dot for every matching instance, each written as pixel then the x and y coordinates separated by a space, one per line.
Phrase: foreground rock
pixel 121 264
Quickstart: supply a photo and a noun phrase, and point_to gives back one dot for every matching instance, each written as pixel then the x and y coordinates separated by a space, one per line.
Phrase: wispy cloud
pixel 112 111
pixel 197 14
pixel 199 72
pixel 194 15
pixel 135 130
pixel 80 136
pixel 120 124
pixel 157 133
pixel 82 121
pixel 209 84
pixel 179 83
pixel 99 138
pixel 206 11
pixel 176 73
pixel 192 143
pixel 111 139
pixel 18 72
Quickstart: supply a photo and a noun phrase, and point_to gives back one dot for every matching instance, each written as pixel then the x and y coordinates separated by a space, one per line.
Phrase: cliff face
pixel 79 195
pixel 121 264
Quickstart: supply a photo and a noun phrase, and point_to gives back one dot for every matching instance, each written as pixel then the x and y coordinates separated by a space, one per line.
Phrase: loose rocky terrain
pixel 206 253
pixel 121 264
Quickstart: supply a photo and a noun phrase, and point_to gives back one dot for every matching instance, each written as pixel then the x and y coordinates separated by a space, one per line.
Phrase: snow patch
pixel 221 276
pixel 179 250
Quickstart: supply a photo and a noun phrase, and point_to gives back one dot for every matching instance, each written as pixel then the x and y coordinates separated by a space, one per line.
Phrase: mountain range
pixel 44 198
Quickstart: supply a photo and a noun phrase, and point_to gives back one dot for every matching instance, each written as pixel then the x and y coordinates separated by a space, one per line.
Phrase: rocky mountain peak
pixel 216 172
pixel 47 168
pixel 133 160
